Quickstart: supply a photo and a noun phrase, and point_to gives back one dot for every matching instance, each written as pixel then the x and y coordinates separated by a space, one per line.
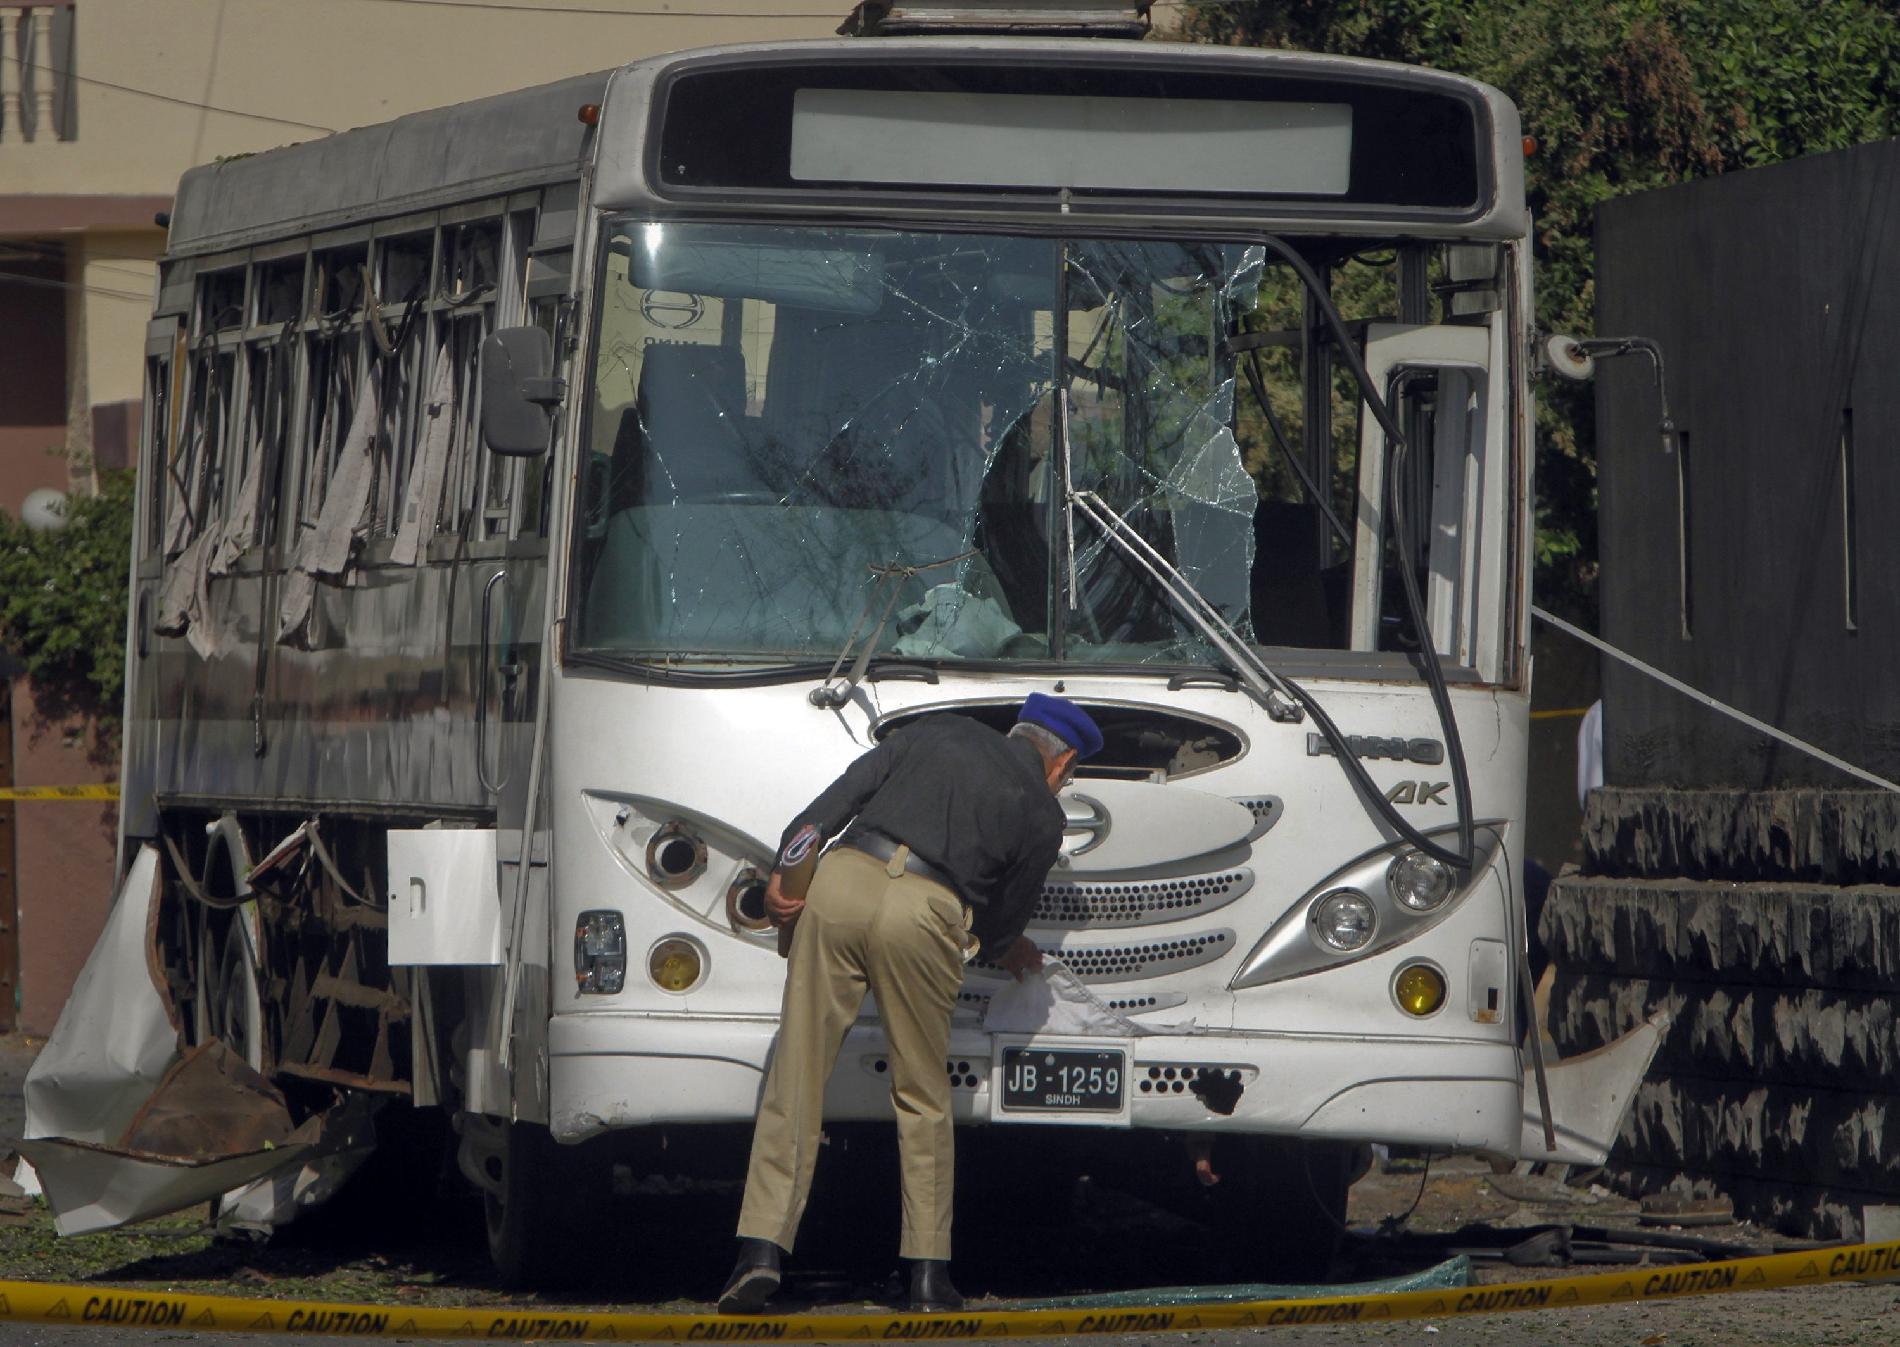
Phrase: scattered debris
pixel 1668 1208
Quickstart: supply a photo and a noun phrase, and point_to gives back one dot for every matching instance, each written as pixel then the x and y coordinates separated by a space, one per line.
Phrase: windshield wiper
pixel 829 696
pixel 1282 702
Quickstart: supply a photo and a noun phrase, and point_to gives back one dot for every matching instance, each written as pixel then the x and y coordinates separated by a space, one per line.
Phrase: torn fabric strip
pixel 324 552
pixel 431 468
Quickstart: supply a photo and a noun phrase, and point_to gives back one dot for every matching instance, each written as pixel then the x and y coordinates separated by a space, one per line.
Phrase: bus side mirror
pixel 519 391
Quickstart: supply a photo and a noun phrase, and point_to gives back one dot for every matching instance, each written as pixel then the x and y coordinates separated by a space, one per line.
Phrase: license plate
pixel 1064 1080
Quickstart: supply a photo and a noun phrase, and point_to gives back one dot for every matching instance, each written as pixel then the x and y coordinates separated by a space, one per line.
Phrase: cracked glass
pixel 806 439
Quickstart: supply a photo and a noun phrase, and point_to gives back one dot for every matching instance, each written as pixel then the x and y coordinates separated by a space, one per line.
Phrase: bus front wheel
pixel 527 1206
pixel 1280 1205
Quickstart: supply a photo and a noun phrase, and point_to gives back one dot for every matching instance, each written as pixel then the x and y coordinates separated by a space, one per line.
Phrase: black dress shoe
pixel 754 1278
pixel 930 1287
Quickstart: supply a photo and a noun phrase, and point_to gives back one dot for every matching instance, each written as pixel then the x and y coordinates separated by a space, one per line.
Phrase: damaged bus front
pixel 1187 384
pixel 521 552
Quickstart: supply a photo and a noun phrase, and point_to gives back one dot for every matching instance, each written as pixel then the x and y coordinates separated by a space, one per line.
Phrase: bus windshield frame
pixel 804 438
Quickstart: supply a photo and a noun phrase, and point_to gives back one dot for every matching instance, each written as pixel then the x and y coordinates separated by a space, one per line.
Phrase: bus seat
pixel 1290 607
pixel 685 434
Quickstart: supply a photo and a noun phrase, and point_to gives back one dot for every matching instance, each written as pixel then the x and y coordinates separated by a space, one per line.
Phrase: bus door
pixel 1450 492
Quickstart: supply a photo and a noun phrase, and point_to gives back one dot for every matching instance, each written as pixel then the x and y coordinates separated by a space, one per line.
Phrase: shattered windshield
pixel 798 434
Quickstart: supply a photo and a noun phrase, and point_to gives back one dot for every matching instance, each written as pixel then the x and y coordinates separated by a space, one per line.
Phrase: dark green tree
pixel 63 600
pixel 1621 96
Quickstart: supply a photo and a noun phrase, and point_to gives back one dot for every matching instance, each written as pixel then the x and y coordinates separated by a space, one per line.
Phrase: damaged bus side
pixel 538 510
pixel 336 629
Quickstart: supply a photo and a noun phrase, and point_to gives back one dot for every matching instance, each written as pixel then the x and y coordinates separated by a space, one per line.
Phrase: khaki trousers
pixel 866 924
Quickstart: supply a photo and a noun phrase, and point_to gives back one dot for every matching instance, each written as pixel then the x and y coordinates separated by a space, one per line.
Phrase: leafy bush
pixel 62 601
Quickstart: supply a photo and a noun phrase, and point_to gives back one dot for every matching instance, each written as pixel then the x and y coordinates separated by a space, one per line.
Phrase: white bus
pixel 545 497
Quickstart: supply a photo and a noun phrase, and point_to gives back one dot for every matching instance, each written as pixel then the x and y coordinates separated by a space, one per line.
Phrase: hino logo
pixel 1094 822
pixel 1427 751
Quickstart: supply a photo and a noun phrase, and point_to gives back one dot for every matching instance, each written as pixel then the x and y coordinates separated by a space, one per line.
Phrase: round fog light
pixel 1344 921
pixel 675 965
pixel 1420 989
pixel 1418 881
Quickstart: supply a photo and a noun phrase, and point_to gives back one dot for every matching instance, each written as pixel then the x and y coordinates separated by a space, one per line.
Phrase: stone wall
pixel 1768 923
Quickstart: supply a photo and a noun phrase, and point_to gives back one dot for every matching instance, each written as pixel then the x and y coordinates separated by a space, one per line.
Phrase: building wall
pixel 1771 294
pixel 163 85
pixel 1750 891
pixel 64 857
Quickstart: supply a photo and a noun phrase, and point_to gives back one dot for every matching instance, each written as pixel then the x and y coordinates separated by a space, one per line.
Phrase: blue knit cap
pixel 1064 719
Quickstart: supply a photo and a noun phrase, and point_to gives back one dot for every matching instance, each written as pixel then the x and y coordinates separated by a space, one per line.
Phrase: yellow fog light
pixel 675 965
pixel 1420 989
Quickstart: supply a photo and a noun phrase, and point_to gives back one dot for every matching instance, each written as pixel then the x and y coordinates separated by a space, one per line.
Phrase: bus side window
pixel 467 290
pixel 333 354
pixel 270 349
pixel 403 264
pixel 197 491
pixel 162 369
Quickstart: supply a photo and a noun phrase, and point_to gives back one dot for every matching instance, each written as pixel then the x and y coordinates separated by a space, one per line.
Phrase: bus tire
pixel 1281 1206
pixel 226 1003
pixel 530 1219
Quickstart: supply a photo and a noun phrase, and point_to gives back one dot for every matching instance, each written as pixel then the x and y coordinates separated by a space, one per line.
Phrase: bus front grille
pixel 1085 904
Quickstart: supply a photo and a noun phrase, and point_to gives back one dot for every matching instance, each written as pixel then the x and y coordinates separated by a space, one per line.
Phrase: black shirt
pixel 970 801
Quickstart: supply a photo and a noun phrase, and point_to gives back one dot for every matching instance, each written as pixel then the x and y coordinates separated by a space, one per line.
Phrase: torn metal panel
pixel 117 1036
pixel 212 1104
pixel 92 1187
pixel 1589 1096
pixel 347 1138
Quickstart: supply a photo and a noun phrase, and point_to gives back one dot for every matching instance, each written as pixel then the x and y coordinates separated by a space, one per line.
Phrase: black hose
pixel 1465 857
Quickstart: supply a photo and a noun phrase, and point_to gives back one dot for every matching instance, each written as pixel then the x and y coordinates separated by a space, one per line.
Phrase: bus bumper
pixel 612 1070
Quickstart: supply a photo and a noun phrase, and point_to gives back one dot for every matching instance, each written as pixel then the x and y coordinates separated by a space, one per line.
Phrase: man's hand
pixel 1021 957
pixel 782 910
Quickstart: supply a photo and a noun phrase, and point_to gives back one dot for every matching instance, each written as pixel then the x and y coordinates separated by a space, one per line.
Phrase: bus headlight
pixel 676 964
pixel 1395 895
pixel 1419 989
pixel 675 856
pixel 1344 921
pixel 1418 881
pixel 600 952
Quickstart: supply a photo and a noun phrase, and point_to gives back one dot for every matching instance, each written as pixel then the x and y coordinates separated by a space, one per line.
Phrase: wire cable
pixel 171 98
pixel 615 13
pixel 14 278
pixel 1721 707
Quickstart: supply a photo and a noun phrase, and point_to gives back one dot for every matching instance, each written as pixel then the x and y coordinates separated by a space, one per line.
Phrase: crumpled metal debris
pixel 122 1126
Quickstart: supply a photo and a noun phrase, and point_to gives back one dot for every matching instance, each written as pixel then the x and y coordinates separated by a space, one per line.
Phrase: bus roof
pixel 522 139
pixel 532 137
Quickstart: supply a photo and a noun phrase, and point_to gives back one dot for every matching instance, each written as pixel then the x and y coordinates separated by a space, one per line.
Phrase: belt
pixel 880 847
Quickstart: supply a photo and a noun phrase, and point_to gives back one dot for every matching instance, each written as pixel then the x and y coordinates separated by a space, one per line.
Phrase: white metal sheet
pixel 1589 1096
pixel 114 1040
pixel 444 902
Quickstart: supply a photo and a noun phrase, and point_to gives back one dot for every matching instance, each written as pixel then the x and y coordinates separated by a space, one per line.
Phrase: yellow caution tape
pixel 106 791
pixel 33 1302
pixel 1562 713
